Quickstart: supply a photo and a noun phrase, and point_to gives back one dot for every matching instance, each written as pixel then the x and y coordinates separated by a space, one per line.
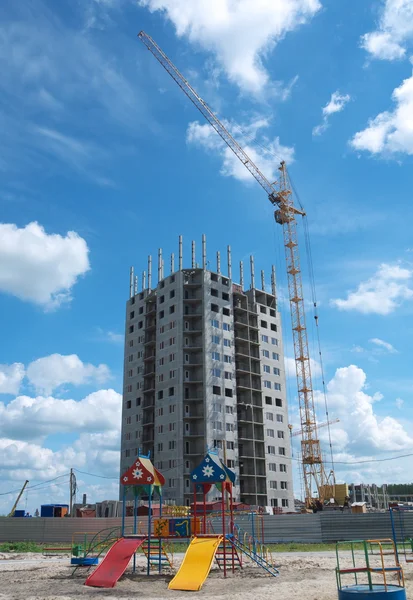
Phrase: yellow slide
pixel 196 565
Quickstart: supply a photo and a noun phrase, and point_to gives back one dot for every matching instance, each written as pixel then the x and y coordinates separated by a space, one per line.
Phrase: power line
pixel 36 485
pixel 49 486
pixel 94 474
pixel 31 487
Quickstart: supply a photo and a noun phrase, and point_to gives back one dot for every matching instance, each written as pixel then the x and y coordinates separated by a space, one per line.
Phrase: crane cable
pixel 315 307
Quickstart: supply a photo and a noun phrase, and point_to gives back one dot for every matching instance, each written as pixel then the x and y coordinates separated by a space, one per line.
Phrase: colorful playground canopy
pixel 212 470
pixel 143 473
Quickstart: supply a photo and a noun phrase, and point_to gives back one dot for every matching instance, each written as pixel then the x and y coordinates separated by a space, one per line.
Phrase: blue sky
pixel 104 160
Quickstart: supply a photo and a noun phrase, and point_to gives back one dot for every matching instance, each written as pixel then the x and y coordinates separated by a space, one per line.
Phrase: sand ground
pixel 304 576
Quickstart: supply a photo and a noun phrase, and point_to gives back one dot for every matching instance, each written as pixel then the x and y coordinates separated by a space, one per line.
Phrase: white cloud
pixel 93 453
pixel 240 34
pixel 39 267
pixel 358 349
pixel 290 371
pixel 26 422
pixel 361 434
pixel 57 69
pixel 26 418
pixel 11 377
pixel 399 403
pixel 50 372
pixel 383 344
pixel 382 293
pixel 110 336
pixel 263 155
pixel 360 429
pixel 336 104
pixel 390 132
pixel 394 32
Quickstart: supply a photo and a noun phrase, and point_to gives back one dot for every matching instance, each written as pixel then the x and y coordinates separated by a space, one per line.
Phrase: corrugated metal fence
pixel 312 528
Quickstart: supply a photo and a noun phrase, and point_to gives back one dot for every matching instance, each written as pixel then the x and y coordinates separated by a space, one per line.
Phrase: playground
pixel 310 576
pixel 169 554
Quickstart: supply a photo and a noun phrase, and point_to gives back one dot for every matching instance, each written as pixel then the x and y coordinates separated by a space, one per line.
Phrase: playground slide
pixel 115 562
pixel 196 564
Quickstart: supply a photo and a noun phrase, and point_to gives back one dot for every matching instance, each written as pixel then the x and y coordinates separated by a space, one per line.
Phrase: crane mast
pixel 280 195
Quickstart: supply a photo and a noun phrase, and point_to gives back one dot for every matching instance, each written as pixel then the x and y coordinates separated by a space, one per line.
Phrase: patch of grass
pixel 301 547
pixel 20 547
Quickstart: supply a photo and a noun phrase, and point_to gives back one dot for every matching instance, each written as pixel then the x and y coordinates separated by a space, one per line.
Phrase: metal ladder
pixel 225 553
pixel 259 560
pixel 154 556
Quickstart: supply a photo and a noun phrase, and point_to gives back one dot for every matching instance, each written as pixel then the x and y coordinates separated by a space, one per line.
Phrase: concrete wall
pixel 312 528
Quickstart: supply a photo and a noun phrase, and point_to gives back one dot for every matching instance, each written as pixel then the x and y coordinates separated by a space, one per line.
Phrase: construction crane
pixel 319 425
pixel 13 510
pixel 280 195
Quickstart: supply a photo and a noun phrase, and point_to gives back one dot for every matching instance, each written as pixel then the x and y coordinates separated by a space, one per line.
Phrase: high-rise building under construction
pixel 204 368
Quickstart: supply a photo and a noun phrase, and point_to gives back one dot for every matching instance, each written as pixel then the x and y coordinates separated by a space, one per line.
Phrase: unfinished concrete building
pixel 204 368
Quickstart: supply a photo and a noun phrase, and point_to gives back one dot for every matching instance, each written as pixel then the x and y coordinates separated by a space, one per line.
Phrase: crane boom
pixel 319 425
pixel 280 195
pixel 205 110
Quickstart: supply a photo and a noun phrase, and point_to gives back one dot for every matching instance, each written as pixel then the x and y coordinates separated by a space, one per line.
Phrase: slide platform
pixel 196 565
pixel 115 562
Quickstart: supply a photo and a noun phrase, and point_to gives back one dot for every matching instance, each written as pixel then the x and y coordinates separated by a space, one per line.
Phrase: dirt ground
pixel 309 576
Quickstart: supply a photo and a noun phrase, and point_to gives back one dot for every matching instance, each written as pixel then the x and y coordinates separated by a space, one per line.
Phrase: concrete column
pixel 219 262
pixel 273 282
pixel 143 280
pixel 229 261
pixel 241 274
pixel 180 252
pixel 252 277
pixel 204 255
pixel 136 285
pixel 159 264
pixel 262 281
pixel 172 263
pixel 252 268
pixel 193 255
pixel 131 282
pixel 149 272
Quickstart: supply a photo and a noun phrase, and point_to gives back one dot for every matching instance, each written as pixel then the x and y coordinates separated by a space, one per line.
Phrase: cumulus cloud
pixel 92 453
pixel 27 418
pixel 263 156
pixel 395 31
pixel 11 377
pixel 336 104
pixel 361 430
pixel 382 293
pixel 390 132
pixel 240 34
pixel 39 267
pixel 50 372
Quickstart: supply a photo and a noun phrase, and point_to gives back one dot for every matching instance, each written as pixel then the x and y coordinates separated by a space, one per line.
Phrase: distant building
pixel 375 496
pixel 204 367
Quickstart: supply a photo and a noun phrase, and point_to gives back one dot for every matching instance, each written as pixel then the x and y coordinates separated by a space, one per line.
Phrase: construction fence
pixel 311 528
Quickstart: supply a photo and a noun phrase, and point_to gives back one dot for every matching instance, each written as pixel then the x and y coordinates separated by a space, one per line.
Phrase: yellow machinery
pixel 11 513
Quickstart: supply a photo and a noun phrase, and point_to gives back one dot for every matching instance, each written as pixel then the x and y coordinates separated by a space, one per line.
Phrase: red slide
pixel 115 562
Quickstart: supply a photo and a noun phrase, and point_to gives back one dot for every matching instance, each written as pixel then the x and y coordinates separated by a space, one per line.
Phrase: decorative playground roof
pixel 212 470
pixel 143 473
